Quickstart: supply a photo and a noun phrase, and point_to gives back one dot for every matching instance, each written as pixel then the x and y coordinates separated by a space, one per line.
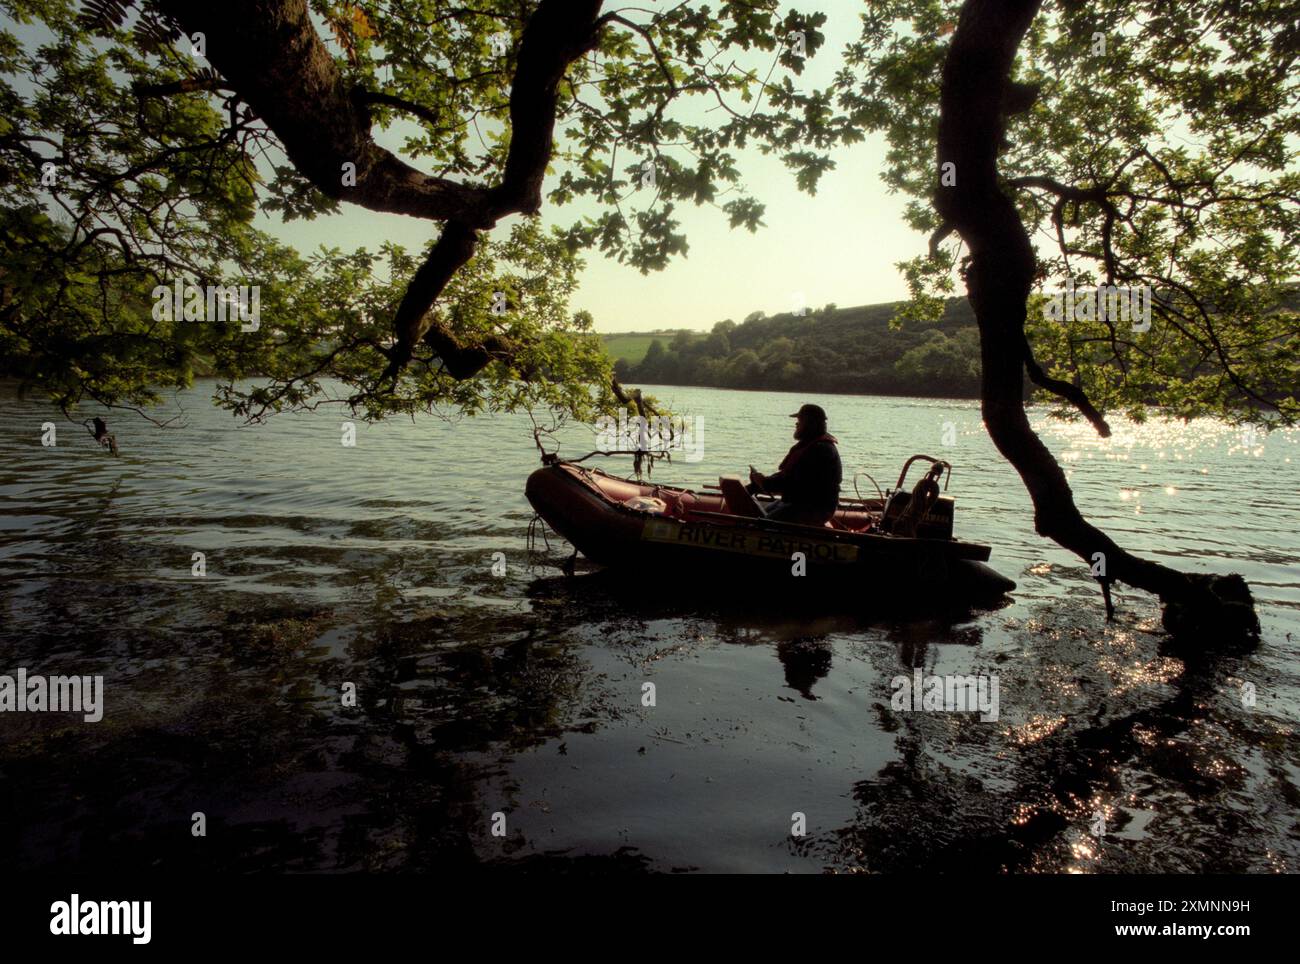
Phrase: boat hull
pixel 588 508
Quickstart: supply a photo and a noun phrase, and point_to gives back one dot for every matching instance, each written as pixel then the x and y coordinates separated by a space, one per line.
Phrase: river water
pixel 499 719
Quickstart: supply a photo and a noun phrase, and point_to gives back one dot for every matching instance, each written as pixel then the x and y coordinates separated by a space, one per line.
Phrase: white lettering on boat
pixel 747 541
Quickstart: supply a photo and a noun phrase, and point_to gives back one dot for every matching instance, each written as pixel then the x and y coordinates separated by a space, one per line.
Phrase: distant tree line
pixel 850 350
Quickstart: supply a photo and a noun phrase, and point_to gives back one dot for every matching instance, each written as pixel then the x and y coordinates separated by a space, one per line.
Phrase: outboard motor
pixel 923 513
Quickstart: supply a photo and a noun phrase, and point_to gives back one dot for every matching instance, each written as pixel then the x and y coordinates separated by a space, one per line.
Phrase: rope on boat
pixel 924 495
pixel 530 540
pixel 538 524
pixel 879 491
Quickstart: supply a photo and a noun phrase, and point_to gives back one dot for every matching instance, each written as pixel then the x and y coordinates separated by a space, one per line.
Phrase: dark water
pixel 520 694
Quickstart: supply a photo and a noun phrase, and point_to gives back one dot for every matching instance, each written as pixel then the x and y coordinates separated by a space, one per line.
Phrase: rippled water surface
pixel 521 694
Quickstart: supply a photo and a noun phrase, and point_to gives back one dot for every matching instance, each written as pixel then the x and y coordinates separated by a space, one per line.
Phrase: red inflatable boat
pixel 901 540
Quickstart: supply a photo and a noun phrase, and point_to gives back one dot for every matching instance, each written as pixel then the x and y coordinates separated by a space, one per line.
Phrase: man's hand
pixel 756 477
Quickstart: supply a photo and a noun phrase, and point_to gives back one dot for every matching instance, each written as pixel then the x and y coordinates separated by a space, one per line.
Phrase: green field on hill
pixel 632 345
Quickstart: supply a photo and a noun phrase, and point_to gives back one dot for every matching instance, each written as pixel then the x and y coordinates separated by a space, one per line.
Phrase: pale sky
pixel 838 246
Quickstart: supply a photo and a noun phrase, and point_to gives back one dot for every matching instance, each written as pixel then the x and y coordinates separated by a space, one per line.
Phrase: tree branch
pixel 1070 392
pixel 186 86
pixel 270 53
pixel 938 237
pixel 558 33
pixel 399 103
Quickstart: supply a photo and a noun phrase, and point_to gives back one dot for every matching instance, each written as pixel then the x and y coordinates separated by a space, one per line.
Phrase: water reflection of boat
pixel 899 542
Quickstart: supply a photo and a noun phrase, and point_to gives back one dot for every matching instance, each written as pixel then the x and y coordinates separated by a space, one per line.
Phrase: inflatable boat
pixel 900 542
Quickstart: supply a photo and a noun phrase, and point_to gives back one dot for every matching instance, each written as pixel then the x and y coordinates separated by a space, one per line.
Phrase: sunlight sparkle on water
pixel 1082 850
pixel 1037 728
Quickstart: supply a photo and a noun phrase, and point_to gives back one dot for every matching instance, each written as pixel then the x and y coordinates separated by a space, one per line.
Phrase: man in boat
pixel 808 480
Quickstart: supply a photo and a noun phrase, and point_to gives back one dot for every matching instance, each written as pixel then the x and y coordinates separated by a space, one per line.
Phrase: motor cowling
pixel 936 523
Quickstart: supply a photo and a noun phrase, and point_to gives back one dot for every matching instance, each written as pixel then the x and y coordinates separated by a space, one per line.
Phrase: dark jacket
pixel 810 475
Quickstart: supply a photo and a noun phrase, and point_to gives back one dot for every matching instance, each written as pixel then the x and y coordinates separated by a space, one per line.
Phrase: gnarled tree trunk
pixel 976 90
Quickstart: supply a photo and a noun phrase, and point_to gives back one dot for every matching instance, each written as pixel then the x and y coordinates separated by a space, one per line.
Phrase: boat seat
pixel 740 501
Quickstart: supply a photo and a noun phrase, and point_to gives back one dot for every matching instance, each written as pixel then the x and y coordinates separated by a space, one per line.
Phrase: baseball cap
pixel 814 412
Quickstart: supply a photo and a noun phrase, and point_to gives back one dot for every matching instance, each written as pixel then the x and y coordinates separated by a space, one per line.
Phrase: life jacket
pixel 801 447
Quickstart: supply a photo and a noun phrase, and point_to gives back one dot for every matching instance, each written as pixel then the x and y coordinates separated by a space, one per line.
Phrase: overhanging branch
pixel 1066 390
pixel 269 52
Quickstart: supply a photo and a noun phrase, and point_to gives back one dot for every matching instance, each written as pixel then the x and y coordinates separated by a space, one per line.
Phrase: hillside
pixel 850 350
pixel 632 345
